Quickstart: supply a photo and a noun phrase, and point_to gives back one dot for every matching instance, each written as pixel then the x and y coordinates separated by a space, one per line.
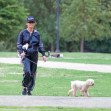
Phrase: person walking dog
pixel 28 45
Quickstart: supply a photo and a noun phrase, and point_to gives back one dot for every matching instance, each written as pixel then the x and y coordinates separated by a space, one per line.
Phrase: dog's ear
pixel 88 82
pixel 92 83
pixel 71 82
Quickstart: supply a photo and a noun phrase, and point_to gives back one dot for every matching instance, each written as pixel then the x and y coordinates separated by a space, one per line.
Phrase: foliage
pixel 83 23
pixel 88 17
pixel 12 17
pixel 44 12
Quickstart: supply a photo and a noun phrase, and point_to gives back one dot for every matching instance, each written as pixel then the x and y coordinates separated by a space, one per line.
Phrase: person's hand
pixel 22 54
pixel 44 58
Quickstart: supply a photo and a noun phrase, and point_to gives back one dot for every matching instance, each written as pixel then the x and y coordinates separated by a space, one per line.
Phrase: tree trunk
pixel 52 47
pixel 82 43
pixel 83 31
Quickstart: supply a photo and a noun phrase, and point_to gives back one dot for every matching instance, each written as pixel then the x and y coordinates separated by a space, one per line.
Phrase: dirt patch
pixel 1 69
pixel 11 81
pixel 15 73
pixel 2 75
pixel 44 75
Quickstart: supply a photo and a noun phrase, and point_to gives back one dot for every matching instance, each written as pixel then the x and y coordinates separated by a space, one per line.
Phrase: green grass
pixel 52 82
pixel 8 54
pixel 55 82
pixel 88 58
pixel 4 108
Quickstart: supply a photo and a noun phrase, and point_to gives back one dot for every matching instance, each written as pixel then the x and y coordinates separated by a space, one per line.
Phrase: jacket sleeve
pixel 20 43
pixel 41 49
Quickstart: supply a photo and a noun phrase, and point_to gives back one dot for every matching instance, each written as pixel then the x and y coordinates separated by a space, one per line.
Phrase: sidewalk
pixel 80 102
pixel 64 65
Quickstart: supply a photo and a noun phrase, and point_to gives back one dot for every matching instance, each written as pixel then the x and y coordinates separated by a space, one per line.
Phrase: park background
pixel 84 25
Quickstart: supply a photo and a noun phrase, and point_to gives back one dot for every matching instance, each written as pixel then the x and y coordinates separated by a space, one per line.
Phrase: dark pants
pixel 29 70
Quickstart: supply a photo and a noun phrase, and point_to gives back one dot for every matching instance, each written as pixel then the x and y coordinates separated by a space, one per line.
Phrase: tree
pixel 44 12
pixel 85 19
pixel 12 17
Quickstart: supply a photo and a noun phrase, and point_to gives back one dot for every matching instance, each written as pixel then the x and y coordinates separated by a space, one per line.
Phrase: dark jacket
pixel 35 43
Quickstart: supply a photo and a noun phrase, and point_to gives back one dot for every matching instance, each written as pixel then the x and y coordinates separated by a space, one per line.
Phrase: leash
pixel 22 58
pixel 32 61
pixel 28 59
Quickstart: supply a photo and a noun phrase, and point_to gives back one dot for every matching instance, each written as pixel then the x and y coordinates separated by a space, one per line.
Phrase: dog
pixel 83 86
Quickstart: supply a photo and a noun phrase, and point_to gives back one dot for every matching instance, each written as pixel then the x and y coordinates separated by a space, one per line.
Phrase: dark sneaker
pixel 29 93
pixel 24 92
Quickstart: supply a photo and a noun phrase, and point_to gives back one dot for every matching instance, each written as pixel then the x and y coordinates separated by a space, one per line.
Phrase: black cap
pixel 30 19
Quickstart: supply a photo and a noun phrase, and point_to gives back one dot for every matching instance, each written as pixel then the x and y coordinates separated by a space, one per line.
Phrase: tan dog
pixel 82 86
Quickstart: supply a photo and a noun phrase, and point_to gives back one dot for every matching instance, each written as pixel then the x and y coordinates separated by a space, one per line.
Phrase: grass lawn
pixel 88 58
pixel 55 82
pixel 74 57
pixel 2 108
pixel 52 82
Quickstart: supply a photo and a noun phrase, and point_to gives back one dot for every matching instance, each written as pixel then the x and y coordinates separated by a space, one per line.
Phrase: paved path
pixel 65 65
pixel 81 102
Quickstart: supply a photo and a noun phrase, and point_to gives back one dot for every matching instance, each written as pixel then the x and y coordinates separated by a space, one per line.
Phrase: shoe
pixel 24 92
pixel 29 93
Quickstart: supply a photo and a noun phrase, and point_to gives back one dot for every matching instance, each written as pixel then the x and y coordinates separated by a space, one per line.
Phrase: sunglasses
pixel 31 22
